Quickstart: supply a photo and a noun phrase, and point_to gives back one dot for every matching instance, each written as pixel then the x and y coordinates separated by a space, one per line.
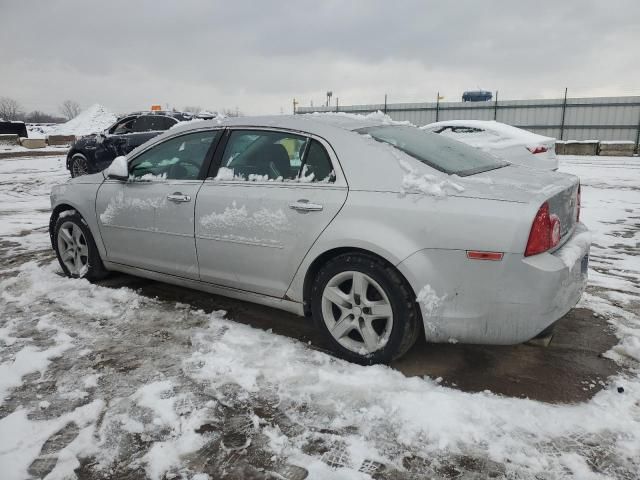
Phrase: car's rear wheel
pixel 364 308
pixel 75 248
pixel 79 165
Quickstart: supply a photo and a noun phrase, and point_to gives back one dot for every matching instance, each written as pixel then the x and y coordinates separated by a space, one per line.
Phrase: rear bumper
pixel 497 302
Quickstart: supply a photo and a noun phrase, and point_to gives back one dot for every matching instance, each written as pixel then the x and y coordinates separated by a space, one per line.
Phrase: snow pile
pixel 30 360
pixel 40 131
pixel 413 182
pixel 378 118
pixel 94 119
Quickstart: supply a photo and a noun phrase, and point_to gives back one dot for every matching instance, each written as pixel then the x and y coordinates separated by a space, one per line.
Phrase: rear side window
pixel 459 130
pixel 317 165
pixel 437 151
pixel 260 155
pixel 152 123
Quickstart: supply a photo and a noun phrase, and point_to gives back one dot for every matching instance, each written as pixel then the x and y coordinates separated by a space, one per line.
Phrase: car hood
pixel 514 183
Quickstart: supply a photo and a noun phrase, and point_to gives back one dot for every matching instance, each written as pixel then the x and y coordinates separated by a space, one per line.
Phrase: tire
pixel 76 251
pixel 79 165
pixel 358 329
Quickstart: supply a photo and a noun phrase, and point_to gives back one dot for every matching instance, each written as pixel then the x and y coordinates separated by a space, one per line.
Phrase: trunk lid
pixel 514 183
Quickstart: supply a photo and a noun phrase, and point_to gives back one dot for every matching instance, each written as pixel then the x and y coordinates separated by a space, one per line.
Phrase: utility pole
pixel 638 137
pixel 337 104
pixel 385 103
pixel 495 107
pixel 437 106
pixel 295 104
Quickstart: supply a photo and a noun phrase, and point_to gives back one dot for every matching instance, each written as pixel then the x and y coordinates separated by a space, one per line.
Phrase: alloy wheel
pixel 73 249
pixel 79 166
pixel 357 312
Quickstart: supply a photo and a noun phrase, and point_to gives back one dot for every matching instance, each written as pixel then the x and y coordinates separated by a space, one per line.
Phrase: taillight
pixel 538 149
pixel 578 205
pixel 545 232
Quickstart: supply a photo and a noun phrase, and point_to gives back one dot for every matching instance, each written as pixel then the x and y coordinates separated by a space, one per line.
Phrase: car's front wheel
pixel 365 309
pixel 75 248
pixel 79 165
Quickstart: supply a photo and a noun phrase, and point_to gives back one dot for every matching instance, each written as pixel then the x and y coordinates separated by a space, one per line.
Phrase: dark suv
pixel 93 153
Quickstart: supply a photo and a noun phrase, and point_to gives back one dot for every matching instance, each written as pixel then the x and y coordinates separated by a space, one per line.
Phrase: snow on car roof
pixel 308 122
pixel 502 129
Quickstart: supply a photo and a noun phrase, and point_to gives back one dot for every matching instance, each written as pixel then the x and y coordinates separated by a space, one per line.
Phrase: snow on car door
pixel 271 198
pixel 147 221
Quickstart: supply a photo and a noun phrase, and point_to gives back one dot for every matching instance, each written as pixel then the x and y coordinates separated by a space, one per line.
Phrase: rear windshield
pixel 441 153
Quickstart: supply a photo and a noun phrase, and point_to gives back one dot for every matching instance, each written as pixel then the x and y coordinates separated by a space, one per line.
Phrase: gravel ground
pixel 138 379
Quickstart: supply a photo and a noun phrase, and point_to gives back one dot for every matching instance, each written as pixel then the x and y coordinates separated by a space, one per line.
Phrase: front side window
pixel 437 151
pixel 123 126
pixel 259 155
pixel 179 158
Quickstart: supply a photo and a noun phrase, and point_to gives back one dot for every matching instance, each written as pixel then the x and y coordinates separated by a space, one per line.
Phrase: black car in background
pixel 93 153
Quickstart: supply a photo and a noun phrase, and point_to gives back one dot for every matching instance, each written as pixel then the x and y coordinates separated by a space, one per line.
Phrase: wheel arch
pixel 73 151
pixel 55 214
pixel 328 255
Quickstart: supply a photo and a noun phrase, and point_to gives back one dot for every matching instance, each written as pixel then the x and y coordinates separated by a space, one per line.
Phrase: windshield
pixel 444 154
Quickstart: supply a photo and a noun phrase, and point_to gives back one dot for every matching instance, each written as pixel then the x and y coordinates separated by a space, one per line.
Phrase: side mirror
pixel 119 169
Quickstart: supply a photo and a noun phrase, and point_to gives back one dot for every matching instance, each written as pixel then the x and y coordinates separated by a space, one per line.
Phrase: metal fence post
pixel 638 136
pixel 564 110
pixel 495 107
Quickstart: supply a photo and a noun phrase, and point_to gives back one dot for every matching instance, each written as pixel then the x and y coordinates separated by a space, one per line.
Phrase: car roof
pixel 313 123
pixel 162 113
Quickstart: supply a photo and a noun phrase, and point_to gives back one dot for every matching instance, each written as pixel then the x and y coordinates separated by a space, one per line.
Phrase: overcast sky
pixel 259 55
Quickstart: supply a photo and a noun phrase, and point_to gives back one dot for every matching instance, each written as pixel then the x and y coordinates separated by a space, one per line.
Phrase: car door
pixel 258 214
pixel 145 128
pixel 109 144
pixel 148 221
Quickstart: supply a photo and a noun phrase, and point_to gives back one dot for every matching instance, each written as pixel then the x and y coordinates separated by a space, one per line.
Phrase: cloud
pixel 259 55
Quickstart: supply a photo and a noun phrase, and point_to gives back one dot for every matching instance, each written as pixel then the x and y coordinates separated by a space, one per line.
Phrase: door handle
pixel 304 206
pixel 178 197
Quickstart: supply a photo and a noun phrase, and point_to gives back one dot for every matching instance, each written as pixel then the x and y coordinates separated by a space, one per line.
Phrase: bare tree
pixel 70 109
pixel 227 112
pixel 40 117
pixel 9 108
pixel 194 110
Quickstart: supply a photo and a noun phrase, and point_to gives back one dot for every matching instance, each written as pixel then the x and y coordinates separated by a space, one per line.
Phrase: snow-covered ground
pixel 108 383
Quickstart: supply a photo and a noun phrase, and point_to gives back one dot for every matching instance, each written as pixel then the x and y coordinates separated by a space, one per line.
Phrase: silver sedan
pixel 379 231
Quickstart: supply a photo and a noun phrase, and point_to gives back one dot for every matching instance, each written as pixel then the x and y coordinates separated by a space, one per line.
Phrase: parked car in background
pixel 93 153
pixel 375 230
pixel 477 96
pixel 509 143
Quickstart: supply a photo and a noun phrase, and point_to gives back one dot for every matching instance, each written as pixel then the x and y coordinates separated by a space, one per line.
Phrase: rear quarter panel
pixel 395 225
